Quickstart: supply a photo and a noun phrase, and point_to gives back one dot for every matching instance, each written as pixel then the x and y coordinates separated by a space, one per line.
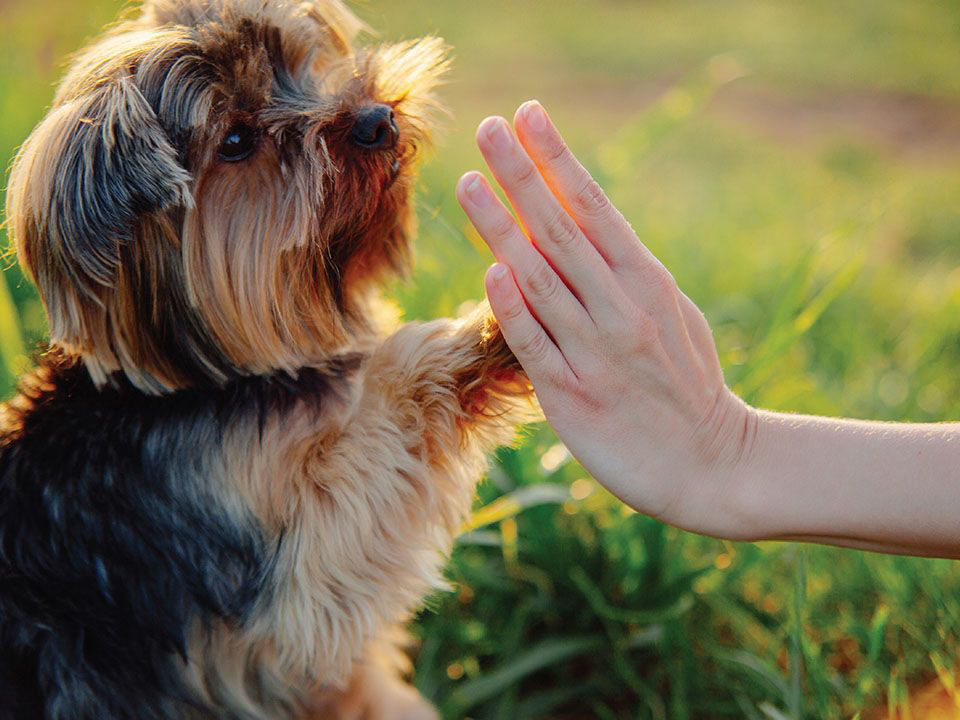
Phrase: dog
pixel 233 475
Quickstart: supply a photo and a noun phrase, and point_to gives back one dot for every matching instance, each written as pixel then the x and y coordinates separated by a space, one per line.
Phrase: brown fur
pixel 335 225
pixel 158 261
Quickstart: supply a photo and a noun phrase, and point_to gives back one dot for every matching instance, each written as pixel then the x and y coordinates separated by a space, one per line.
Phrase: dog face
pixel 219 186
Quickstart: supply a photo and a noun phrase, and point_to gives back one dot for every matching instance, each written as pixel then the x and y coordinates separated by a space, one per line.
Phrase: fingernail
pixel 477 191
pixel 535 116
pixel 499 135
pixel 498 272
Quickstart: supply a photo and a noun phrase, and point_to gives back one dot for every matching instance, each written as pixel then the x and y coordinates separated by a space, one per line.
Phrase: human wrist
pixel 735 471
pixel 746 501
pixel 730 434
pixel 723 449
pixel 772 495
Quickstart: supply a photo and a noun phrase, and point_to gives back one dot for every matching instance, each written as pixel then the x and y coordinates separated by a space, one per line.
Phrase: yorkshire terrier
pixel 230 480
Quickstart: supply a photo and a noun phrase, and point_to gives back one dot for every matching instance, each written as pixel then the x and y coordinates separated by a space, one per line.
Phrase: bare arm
pixel 888 487
pixel 626 370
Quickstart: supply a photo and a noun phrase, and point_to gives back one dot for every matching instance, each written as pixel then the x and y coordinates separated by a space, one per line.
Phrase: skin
pixel 626 370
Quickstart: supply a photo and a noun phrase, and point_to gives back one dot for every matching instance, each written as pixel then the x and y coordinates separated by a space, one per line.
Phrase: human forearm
pixel 886 487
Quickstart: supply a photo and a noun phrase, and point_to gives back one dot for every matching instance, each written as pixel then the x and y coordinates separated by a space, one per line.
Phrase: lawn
pixel 797 166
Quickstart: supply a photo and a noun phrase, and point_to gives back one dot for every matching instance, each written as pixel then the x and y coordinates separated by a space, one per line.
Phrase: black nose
pixel 375 128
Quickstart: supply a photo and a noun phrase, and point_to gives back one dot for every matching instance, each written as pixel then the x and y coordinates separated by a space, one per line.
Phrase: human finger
pixel 541 359
pixel 574 187
pixel 551 301
pixel 547 222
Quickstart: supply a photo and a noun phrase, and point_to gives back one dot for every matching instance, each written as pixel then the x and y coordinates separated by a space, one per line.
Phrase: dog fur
pixel 232 478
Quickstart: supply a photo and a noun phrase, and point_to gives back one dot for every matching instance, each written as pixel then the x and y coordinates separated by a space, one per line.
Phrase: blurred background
pixel 797 166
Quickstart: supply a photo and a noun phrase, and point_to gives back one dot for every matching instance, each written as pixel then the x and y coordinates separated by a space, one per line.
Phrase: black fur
pixel 114 541
pixel 127 167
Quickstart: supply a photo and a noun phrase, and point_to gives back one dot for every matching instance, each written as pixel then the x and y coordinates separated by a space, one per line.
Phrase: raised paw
pixel 495 371
pixel 376 692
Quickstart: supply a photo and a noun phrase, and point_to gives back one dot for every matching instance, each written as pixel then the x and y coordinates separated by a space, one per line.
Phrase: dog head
pixel 219 186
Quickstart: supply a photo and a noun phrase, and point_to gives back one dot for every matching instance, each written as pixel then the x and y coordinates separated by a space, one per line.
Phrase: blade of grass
pixel 772 713
pixel 795 695
pixel 540 704
pixel 602 608
pixel 747 708
pixel 782 338
pixel 758 666
pixel 546 653
pixel 516 502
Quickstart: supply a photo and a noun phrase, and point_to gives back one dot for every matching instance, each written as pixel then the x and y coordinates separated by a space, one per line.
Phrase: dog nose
pixel 375 128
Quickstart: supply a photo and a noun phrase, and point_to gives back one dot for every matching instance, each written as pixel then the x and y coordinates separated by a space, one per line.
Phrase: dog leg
pixel 460 374
pixel 456 392
pixel 381 500
pixel 376 691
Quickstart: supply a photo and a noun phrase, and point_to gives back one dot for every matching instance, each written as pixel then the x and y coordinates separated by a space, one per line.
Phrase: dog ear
pixel 93 166
pixel 341 25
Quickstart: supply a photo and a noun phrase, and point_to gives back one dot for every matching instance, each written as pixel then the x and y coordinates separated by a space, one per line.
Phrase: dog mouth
pixel 392 174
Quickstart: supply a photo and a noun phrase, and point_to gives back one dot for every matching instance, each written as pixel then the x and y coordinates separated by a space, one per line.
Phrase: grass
pixel 828 268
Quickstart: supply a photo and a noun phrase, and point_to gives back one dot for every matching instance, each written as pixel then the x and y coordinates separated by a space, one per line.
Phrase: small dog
pixel 230 481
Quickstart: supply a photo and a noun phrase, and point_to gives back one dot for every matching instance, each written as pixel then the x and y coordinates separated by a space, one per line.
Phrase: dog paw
pixel 387 699
pixel 409 706
pixel 495 373
pixel 495 350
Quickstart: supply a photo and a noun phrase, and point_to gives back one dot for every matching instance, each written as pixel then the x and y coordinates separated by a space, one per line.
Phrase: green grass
pixel 828 268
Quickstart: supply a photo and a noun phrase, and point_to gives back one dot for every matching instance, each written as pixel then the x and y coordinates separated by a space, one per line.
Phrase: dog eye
pixel 239 144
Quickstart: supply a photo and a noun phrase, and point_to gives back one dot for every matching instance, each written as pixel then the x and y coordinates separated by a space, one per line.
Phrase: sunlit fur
pixel 230 481
pixel 157 259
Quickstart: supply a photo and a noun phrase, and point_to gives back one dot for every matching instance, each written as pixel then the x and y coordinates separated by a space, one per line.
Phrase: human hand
pixel 624 364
